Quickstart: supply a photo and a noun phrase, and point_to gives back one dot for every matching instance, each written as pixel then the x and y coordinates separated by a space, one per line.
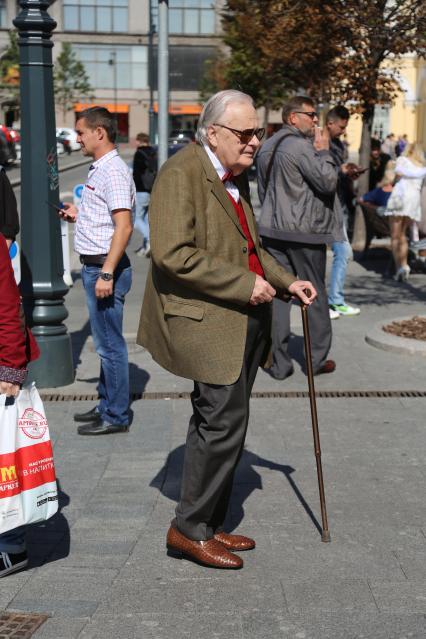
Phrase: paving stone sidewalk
pixel 100 567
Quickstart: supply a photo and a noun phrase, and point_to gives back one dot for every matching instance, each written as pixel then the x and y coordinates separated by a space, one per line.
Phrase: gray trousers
pixel 215 440
pixel 307 262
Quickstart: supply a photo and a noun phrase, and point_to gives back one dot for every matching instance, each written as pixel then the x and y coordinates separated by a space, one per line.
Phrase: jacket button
pixel 245 249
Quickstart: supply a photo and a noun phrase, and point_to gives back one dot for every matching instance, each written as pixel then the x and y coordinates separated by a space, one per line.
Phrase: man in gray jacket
pixel 297 180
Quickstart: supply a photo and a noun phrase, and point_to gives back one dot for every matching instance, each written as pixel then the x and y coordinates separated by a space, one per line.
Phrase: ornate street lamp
pixel 42 287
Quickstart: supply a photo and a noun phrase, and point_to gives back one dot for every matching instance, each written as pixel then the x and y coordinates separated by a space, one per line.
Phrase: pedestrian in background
pixel 144 172
pixel 103 229
pixel 337 120
pixel 17 349
pixel 404 205
pixel 378 164
pixel 9 219
pixel 401 143
pixel 388 146
pixel 206 312
pixel 377 199
pixel 297 180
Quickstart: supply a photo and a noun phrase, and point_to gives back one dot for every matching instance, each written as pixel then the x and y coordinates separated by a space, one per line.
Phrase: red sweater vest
pixel 254 263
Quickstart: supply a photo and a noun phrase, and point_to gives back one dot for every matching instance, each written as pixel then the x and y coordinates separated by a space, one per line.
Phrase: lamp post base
pixel 55 365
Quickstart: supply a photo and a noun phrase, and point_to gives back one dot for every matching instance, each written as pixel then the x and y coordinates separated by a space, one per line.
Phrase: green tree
pixel 274 47
pixel 71 81
pixel 335 50
pixel 9 73
pixel 374 34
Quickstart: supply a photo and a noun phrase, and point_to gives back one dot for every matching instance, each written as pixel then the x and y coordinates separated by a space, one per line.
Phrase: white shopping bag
pixel 28 490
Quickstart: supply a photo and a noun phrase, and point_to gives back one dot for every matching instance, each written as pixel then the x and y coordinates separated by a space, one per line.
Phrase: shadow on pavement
pixel 247 479
pixel 78 340
pixel 364 290
pixel 139 378
pixel 49 540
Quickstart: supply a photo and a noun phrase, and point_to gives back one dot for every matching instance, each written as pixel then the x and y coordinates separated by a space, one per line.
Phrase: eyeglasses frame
pixel 310 114
pixel 259 132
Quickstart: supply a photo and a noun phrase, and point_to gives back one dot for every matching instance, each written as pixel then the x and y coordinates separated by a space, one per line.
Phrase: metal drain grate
pixel 332 394
pixel 22 625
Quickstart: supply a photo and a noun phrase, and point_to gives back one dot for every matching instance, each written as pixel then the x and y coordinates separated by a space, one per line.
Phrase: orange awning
pixel 176 108
pixel 112 108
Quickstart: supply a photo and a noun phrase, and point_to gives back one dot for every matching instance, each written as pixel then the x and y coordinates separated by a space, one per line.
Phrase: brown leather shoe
pixel 328 367
pixel 210 553
pixel 235 542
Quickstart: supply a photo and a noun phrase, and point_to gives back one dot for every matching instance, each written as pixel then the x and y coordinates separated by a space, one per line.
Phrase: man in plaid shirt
pixel 103 229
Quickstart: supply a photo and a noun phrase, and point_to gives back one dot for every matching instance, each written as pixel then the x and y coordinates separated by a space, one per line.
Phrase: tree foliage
pixel 9 73
pixel 344 51
pixel 271 54
pixel 374 33
pixel 71 81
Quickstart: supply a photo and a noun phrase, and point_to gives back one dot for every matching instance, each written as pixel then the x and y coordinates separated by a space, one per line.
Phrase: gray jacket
pixel 300 203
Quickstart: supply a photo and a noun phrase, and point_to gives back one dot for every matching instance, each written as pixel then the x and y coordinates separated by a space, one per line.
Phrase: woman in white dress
pixel 404 204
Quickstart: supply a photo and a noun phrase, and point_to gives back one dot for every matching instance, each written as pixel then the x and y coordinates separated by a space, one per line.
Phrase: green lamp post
pixel 42 285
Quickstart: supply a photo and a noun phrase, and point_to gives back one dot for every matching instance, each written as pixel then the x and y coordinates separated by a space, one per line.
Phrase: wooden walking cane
pixel 325 535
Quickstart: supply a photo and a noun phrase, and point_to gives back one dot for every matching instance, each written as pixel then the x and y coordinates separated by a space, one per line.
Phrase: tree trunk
pixel 359 232
pixel 266 110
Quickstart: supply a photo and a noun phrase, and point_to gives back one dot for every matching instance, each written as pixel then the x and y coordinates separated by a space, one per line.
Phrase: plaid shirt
pixel 109 186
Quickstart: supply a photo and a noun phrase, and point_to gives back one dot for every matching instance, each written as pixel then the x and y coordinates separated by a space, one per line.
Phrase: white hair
pixel 215 107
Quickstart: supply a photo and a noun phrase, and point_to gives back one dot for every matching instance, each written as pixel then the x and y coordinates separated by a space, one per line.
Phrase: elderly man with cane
pixel 206 313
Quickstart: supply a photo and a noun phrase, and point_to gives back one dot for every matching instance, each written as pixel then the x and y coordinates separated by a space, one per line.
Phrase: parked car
pixel 4 150
pixel 8 150
pixel 63 142
pixel 15 135
pixel 11 150
pixel 179 140
pixel 183 133
pixel 174 148
pixel 70 135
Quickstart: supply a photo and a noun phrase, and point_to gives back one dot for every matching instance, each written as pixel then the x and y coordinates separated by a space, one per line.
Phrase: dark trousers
pixel 215 440
pixel 307 262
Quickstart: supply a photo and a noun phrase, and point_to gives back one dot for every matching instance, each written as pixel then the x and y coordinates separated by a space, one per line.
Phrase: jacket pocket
pixel 184 309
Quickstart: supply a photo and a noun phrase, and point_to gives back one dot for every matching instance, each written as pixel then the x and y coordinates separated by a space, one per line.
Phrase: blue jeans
pixel 342 253
pixel 141 216
pixel 106 322
pixel 13 541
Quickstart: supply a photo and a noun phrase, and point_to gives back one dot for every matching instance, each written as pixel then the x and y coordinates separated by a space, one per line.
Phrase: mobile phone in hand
pixel 54 206
pixel 60 210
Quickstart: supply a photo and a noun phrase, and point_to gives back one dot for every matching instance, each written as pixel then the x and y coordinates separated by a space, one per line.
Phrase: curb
pixel 378 338
pixel 17 181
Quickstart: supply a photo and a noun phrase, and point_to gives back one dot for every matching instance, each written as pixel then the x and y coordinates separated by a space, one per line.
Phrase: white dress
pixel 408 188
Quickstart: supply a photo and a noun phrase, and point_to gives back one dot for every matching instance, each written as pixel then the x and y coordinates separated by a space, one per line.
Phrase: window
pixel 187 67
pixel 3 16
pixel 189 17
pixel 96 15
pixel 110 67
pixel 381 121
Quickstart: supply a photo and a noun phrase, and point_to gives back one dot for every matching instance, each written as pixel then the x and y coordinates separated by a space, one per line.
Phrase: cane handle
pixel 308 293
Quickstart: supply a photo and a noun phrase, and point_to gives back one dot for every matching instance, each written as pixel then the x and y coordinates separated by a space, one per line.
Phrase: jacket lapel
pixel 218 189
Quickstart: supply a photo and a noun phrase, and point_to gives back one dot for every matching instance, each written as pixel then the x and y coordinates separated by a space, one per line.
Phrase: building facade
pixel 407 116
pixel 116 41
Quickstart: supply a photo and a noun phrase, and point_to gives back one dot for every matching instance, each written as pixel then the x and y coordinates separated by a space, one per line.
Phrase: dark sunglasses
pixel 246 135
pixel 310 114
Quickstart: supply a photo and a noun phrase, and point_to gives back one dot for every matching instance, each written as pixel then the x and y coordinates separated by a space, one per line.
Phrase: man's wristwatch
pixel 106 277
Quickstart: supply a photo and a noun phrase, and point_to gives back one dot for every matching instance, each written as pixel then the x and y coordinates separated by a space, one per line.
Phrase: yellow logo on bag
pixel 8 473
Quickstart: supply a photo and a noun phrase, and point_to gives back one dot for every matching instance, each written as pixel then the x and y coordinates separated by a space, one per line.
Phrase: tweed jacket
pixel 196 303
